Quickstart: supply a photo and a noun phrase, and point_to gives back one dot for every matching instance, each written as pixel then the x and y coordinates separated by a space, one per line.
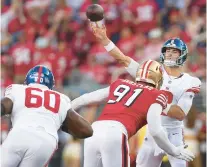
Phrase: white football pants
pixel 27 148
pixel 150 155
pixel 108 147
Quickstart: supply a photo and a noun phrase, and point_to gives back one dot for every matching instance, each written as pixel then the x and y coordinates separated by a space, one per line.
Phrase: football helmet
pixel 178 44
pixel 150 71
pixel 40 75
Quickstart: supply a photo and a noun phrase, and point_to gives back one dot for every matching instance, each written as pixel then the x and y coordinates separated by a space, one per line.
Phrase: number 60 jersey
pixel 36 106
pixel 128 103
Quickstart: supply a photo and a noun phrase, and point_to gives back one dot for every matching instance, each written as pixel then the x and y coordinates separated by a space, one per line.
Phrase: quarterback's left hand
pixel 183 153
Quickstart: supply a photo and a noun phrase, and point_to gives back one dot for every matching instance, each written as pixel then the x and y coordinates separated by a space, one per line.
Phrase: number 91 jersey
pixel 37 106
pixel 128 103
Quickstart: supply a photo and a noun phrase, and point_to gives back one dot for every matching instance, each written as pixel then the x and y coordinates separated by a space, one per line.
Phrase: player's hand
pixel 99 32
pixel 183 153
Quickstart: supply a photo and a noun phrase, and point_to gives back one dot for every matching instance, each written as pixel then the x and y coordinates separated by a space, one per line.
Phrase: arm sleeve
pixel 8 92
pixel 185 101
pixel 162 99
pixel 95 97
pixel 156 130
pixel 132 68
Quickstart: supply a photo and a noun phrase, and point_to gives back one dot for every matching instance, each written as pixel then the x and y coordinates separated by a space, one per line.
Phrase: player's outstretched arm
pixel 114 51
pixel 160 136
pixel 6 106
pixel 76 125
pixel 95 97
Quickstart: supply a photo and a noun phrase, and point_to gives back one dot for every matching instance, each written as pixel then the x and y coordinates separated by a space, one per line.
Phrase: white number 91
pixel 120 95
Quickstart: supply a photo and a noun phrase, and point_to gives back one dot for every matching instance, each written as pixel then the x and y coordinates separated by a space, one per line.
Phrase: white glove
pixel 184 154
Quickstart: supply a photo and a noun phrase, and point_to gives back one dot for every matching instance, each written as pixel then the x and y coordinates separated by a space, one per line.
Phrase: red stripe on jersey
pixel 147 69
pixel 162 97
pixel 9 87
pixel 194 90
pixel 124 151
pixel 143 68
pixel 50 157
pixel 39 74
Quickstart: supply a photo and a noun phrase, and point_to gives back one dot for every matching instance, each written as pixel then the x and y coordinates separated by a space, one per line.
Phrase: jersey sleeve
pixel 162 98
pixel 67 102
pixel 132 68
pixel 195 85
pixel 9 92
pixel 66 106
pixel 185 102
pixel 157 131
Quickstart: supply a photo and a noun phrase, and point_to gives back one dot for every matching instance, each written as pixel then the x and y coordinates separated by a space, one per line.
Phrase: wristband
pixel 110 46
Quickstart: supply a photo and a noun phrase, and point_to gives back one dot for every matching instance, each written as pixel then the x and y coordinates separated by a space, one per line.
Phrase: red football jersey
pixel 128 102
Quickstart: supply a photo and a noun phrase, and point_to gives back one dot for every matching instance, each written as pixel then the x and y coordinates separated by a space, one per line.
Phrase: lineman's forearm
pixel 95 97
pixel 156 130
pixel 163 142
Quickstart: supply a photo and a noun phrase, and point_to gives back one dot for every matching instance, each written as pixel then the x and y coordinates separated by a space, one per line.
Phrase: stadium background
pixel 56 33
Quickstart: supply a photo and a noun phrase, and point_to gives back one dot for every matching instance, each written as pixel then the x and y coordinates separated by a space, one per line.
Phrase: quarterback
pixel 126 111
pixel 37 112
pixel 182 85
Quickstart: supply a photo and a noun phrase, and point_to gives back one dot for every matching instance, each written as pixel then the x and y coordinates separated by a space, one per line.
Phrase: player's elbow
pixel 181 116
pixel 85 132
pixel 177 113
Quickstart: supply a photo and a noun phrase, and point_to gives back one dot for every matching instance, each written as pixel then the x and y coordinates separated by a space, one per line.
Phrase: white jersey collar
pixel 38 85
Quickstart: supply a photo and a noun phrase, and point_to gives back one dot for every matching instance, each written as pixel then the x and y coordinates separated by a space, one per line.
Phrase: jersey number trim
pixel 122 91
pixel 36 101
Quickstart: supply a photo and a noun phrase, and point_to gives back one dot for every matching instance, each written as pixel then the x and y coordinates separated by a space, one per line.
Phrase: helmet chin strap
pixel 170 63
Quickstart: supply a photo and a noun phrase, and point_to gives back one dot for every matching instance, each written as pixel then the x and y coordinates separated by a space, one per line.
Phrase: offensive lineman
pixel 130 105
pixel 37 112
pixel 181 85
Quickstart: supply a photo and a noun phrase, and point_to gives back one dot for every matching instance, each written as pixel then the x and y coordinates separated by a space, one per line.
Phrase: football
pixel 95 12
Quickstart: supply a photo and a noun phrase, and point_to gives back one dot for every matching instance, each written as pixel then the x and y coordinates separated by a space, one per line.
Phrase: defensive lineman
pixel 126 111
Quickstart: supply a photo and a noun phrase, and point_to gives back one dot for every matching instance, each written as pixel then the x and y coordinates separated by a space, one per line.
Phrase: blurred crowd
pixel 56 33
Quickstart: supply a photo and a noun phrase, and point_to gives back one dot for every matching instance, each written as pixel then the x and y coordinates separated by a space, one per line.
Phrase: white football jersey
pixel 35 106
pixel 184 86
pixel 183 89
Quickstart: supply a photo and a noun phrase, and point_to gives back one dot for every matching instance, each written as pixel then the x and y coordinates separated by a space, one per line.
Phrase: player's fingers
pixel 103 27
pixel 186 158
pixel 91 25
pixel 189 156
pixel 93 28
pixel 94 32
pixel 97 25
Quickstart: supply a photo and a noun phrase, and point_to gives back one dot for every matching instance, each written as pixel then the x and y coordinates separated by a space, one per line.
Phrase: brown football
pixel 95 12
